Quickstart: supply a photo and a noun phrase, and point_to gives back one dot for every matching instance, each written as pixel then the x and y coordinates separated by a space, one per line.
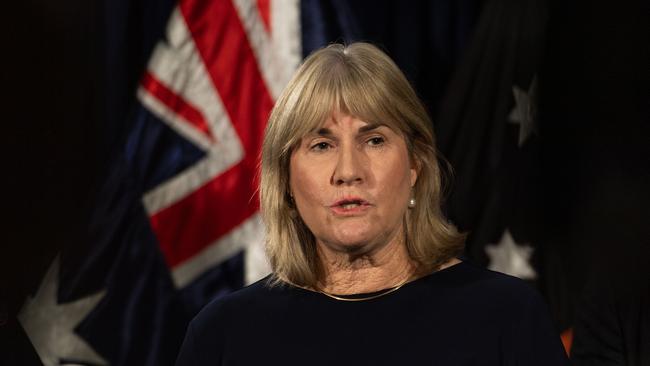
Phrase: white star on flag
pixel 523 113
pixel 50 325
pixel 510 258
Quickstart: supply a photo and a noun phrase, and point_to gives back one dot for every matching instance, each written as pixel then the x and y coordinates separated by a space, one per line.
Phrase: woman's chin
pixel 352 248
pixel 355 244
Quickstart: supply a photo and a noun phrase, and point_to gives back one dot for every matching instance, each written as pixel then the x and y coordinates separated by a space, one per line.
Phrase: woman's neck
pixel 352 273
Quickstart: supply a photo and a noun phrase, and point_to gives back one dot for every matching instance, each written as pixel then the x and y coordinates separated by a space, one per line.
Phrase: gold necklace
pixel 386 292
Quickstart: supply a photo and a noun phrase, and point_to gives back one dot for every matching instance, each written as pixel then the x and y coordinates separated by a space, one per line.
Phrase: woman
pixel 364 263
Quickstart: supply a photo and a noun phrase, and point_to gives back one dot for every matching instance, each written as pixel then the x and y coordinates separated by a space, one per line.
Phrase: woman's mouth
pixel 350 206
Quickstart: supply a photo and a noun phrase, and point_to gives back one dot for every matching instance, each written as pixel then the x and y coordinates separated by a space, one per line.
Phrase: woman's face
pixel 351 182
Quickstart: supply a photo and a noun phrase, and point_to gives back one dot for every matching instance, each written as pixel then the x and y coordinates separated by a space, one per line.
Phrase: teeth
pixel 349 205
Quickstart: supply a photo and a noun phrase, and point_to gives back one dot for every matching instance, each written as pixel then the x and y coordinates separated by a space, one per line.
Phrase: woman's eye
pixel 375 141
pixel 321 146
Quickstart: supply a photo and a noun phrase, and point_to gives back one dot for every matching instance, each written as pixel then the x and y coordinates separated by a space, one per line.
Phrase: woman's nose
pixel 349 168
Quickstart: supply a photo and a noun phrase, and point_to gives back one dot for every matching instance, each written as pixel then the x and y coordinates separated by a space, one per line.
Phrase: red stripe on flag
pixel 567 340
pixel 264 6
pixel 176 103
pixel 188 226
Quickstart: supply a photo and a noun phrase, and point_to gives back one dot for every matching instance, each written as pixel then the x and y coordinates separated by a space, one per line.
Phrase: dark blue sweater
pixel 462 315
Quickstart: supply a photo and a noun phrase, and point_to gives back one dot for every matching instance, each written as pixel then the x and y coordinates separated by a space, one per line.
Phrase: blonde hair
pixel 362 81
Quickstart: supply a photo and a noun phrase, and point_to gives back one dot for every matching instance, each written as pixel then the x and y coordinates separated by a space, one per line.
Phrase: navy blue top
pixel 462 315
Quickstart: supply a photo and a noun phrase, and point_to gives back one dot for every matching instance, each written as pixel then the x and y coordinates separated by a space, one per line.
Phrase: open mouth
pixel 348 204
pixel 351 204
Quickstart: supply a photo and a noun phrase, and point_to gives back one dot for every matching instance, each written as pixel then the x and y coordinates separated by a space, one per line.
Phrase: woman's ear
pixel 414 176
pixel 415 170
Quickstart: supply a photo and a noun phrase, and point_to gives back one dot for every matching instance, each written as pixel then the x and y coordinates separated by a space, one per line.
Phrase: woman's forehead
pixel 341 120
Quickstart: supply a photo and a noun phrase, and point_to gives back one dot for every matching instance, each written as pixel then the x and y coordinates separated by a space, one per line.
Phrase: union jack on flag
pixel 178 220
pixel 214 81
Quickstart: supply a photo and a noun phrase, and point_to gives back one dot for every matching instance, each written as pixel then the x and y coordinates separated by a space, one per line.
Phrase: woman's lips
pixel 350 206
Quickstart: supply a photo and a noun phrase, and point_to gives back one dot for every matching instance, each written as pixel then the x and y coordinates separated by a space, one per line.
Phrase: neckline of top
pixel 366 296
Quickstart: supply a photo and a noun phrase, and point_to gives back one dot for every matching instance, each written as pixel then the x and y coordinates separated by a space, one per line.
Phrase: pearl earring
pixel 412 202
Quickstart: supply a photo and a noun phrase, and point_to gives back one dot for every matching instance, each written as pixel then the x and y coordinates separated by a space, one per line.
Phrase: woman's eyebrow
pixel 370 127
pixel 324 131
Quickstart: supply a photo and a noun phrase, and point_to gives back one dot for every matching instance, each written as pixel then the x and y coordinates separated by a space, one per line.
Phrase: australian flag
pixel 176 222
